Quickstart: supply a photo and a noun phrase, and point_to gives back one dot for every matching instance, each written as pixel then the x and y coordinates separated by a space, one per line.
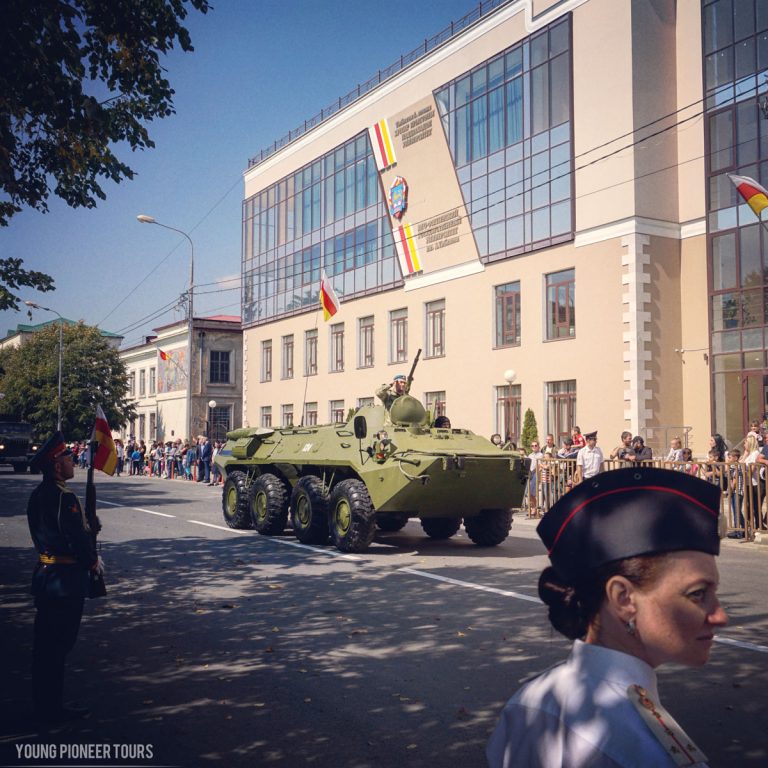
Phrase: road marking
pixel 741 644
pixel 138 509
pixel 470 585
pixel 272 540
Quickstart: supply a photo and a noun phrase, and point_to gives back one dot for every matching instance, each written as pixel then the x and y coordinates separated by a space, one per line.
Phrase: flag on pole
pixel 328 299
pixel 164 355
pixel 105 454
pixel 381 141
pixel 755 195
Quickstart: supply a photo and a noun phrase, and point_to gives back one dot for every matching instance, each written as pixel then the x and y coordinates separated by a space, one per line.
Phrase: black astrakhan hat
pixel 49 451
pixel 629 512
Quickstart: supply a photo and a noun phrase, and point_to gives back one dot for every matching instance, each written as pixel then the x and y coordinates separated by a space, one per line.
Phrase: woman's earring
pixel 632 627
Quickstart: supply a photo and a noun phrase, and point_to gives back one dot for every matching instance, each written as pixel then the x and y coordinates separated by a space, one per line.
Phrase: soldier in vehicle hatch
pixel 388 393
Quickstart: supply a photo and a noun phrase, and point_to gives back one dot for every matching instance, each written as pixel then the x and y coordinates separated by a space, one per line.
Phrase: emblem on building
pixel 398 197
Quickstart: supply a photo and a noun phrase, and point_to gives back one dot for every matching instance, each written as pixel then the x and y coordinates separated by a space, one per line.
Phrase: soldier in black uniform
pixel 67 555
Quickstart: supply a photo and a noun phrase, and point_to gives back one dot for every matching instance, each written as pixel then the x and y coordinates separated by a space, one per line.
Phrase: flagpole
pixel 306 373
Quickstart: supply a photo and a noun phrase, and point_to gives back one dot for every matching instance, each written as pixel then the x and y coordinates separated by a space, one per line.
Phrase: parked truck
pixel 16 445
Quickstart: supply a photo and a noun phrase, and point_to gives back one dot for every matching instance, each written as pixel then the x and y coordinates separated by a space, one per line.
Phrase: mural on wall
pixel 171 370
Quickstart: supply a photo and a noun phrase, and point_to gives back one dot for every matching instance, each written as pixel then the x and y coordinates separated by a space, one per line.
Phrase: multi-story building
pixel 15 337
pixel 158 380
pixel 537 198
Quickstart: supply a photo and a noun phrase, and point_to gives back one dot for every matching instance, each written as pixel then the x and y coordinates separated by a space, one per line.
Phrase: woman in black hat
pixel 633 582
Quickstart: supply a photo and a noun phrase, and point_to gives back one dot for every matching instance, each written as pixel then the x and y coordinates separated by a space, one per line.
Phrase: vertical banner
pixel 407 252
pixel 381 141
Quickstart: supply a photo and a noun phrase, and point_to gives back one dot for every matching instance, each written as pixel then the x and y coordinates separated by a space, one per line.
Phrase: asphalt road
pixel 219 647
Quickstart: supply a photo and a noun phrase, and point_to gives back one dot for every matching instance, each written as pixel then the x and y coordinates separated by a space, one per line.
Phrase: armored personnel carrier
pixel 378 470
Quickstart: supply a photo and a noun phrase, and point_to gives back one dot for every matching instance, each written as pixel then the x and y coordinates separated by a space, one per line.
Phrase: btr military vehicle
pixel 378 470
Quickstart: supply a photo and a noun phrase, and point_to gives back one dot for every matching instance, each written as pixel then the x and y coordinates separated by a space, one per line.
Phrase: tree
pixel 77 76
pixel 12 275
pixel 92 373
pixel 530 430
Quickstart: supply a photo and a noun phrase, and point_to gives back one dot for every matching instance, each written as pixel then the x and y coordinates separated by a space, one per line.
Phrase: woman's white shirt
pixel 578 714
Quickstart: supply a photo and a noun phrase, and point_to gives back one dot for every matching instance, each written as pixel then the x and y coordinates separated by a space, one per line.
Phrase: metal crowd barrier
pixel 744 509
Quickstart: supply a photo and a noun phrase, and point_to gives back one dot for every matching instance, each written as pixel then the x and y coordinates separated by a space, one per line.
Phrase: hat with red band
pixel 53 448
pixel 629 512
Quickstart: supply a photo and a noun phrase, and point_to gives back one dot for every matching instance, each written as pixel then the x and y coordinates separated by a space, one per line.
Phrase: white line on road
pixel 741 644
pixel 220 527
pixel 138 509
pixel 470 585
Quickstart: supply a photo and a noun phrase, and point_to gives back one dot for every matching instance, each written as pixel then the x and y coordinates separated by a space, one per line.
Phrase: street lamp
pixel 209 422
pixel 34 305
pixel 144 219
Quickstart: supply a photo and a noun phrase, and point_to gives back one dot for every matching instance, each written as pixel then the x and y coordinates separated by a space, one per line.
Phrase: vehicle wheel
pixel 234 501
pixel 490 527
pixel 391 521
pixel 309 510
pixel 441 527
pixel 19 468
pixel 352 518
pixel 269 505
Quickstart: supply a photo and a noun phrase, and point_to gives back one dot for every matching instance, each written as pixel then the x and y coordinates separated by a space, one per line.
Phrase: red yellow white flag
pixel 105 454
pixel 755 195
pixel 328 299
pixel 383 148
pixel 407 252
pixel 164 355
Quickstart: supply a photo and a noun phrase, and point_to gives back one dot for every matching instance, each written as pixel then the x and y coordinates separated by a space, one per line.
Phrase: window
pixel 436 403
pixel 365 342
pixel 287 370
pixel 286 414
pixel 219 367
pixel 266 415
pixel 310 414
pixel 266 360
pixel 152 384
pixel 337 348
pixel 435 327
pixel 508 407
pixel 363 401
pixel 220 421
pixel 142 383
pixel 398 336
pixel 310 352
pixel 561 302
pixel 132 383
pixel 142 426
pixel 336 408
pixel 508 315
pixel 561 407
pixel 153 423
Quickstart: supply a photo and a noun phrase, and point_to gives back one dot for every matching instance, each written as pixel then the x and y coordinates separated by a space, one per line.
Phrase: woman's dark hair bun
pixel 566 612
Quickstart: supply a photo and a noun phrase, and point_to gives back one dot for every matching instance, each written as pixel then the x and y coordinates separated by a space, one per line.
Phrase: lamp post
pixel 144 219
pixel 209 421
pixel 509 376
pixel 34 305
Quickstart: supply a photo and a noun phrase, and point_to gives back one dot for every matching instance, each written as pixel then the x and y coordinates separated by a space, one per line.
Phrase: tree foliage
pixel 77 76
pixel 13 276
pixel 92 374
pixel 530 431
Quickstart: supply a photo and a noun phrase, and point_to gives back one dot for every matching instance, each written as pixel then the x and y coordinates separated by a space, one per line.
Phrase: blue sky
pixel 259 69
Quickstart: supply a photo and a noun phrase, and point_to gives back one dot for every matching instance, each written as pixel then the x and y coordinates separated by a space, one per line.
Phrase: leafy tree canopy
pixel 92 374
pixel 75 77
pixel 13 276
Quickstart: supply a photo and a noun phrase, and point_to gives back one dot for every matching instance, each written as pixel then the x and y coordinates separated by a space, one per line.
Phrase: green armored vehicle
pixel 344 480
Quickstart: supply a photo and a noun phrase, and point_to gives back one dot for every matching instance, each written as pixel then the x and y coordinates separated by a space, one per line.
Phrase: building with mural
pixel 159 384
pixel 537 198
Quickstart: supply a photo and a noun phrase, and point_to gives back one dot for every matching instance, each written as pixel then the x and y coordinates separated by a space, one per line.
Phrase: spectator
pixel 567 451
pixel 136 466
pixel 675 450
pixel 496 439
pixel 757 482
pixel 690 467
pixel 711 471
pixel 640 451
pixel 620 451
pixel 534 456
pixel 119 448
pixel 717 442
pixel 204 460
pixel 736 492
pixel 215 472
pixel 578 439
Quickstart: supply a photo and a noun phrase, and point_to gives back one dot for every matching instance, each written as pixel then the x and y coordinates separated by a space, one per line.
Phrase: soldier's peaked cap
pixel 49 451
pixel 624 513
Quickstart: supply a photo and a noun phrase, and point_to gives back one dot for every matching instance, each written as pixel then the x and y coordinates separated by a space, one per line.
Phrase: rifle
pixel 96 587
pixel 409 380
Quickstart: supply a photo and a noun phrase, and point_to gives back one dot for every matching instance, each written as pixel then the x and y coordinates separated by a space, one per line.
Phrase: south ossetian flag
pixel 328 299
pixel 105 455
pixel 407 252
pixel 381 141
pixel 755 195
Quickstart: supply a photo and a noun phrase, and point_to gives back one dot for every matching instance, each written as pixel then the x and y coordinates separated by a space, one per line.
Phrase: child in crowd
pixel 736 492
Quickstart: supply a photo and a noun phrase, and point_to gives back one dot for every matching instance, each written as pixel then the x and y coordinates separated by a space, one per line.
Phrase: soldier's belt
pixel 57 559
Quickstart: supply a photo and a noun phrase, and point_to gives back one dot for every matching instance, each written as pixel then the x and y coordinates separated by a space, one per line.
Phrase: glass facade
pixel 329 214
pixel 508 125
pixel 735 67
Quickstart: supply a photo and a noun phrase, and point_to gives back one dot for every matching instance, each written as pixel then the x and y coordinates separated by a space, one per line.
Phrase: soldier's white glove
pixel 99 566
